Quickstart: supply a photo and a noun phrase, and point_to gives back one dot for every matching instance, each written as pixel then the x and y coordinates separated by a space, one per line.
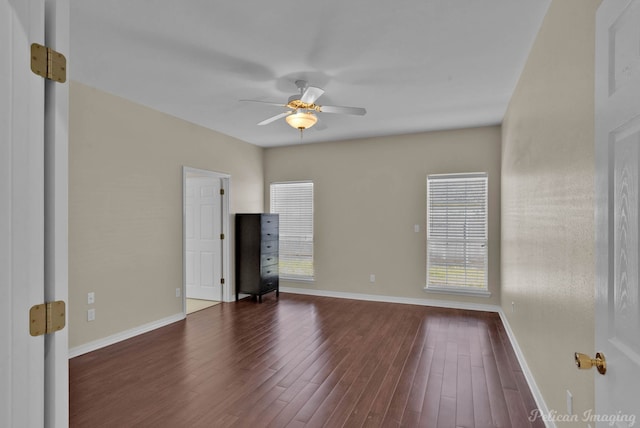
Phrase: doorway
pixel 205 243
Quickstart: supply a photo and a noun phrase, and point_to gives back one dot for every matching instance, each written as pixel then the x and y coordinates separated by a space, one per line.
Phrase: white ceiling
pixel 415 65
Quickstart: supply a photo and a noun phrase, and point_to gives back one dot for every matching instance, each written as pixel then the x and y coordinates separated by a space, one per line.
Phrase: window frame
pixel 285 275
pixel 433 286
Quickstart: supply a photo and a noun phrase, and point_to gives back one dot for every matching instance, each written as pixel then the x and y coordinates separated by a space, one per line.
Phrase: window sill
pixel 297 279
pixel 459 291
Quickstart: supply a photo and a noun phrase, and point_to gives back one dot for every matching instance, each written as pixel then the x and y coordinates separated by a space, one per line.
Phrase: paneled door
pixel 203 244
pixel 617 210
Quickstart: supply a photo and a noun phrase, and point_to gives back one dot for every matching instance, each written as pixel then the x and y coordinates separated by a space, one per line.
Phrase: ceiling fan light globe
pixel 301 120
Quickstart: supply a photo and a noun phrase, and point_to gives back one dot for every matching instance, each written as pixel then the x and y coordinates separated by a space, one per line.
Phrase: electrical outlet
pixel 91 314
pixel 569 403
pixel 91 298
pixel 178 292
pixel 416 228
pixel 372 278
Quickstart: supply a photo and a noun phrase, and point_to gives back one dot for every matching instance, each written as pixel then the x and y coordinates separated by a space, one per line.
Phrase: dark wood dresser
pixel 256 254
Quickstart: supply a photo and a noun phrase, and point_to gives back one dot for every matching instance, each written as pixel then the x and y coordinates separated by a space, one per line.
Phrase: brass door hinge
pixel 222 191
pixel 221 280
pixel 47 318
pixel 48 63
pixel 222 236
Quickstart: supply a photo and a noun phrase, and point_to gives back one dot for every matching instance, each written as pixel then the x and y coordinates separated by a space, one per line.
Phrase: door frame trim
pixel 225 180
pixel 56 217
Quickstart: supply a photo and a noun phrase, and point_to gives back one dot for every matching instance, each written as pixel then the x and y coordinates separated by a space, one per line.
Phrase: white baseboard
pixel 393 299
pixel 124 335
pixel 537 395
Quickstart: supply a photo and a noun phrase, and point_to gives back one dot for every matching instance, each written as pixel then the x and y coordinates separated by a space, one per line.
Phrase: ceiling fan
pixel 302 110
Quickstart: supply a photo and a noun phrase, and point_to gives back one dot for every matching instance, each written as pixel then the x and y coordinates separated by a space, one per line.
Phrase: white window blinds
pixel 457 231
pixel 293 201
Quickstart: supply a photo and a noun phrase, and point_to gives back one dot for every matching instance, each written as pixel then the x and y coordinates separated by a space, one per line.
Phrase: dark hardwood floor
pixel 307 361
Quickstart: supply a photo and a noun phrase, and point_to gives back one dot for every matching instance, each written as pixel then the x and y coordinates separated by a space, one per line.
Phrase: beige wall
pixel 369 194
pixel 125 207
pixel 547 204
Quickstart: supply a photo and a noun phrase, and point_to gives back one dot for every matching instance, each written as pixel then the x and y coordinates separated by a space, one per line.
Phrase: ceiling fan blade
pixel 274 118
pixel 311 94
pixel 358 111
pixel 265 102
pixel 319 126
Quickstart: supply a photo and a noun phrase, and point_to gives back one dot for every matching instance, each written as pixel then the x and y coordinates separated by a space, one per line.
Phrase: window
pixel 293 201
pixel 457 232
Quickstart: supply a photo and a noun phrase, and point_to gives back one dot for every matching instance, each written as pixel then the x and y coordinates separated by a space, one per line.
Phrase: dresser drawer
pixel 269 284
pixel 268 259
pixel 269 271
pixel 269 247
pixel 270 234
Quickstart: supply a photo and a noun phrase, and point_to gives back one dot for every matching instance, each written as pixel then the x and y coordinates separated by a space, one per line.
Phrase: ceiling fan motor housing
pixel 293 98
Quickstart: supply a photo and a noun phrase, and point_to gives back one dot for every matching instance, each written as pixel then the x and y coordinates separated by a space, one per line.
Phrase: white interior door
pixel 203 246
pixel 618 209
pixel 21 214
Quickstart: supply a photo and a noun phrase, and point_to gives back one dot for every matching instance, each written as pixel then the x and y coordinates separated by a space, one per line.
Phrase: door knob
pixel 584 362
